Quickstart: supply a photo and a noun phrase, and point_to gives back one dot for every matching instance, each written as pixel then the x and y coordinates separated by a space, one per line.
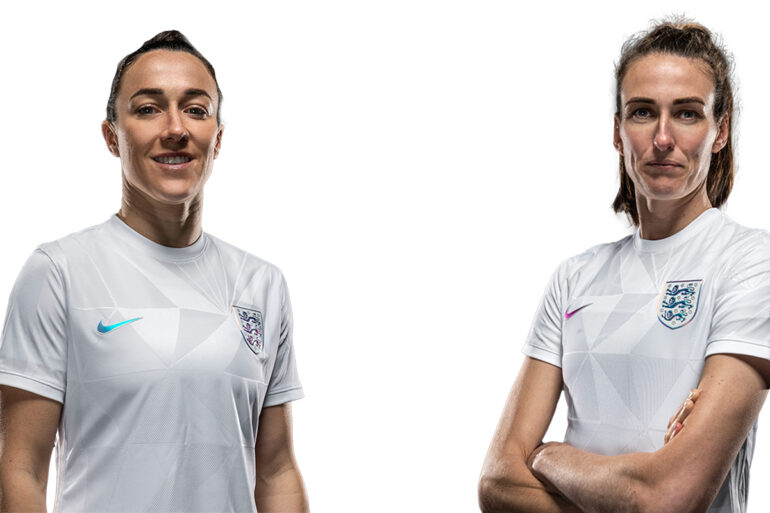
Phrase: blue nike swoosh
pixel 104 329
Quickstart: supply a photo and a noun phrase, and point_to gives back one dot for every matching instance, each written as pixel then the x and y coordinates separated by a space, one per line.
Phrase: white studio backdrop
pixel 416 168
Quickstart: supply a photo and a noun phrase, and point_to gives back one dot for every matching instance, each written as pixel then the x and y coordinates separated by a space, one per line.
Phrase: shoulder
pixel 76 245
pixel 745 251
pixel 595 257
pixel 244 261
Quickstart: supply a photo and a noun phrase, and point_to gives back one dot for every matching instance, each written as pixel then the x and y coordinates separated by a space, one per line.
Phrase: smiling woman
pixel 626 328
pixel 163 355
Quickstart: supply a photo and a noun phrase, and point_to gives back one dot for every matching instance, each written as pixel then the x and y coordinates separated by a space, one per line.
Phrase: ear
pixel 616 140
pixel 723 133
pixel 219 140
pixel 110 137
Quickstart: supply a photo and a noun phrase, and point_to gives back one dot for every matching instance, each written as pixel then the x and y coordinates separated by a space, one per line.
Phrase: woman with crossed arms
pixel 626 328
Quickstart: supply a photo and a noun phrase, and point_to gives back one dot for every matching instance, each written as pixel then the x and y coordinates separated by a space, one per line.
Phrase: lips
pixel 664 164
pixel 173 159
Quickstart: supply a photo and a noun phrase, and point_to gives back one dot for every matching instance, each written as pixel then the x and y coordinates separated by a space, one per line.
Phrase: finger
pixel 694 394
pixel 669 433
pixel 685 411
pixel 675 416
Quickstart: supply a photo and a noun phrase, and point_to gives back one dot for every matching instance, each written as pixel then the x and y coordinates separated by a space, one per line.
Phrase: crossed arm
pixel 682 476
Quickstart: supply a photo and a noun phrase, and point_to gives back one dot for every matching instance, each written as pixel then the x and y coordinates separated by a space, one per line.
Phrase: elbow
pixel 488 493
pixel 492 494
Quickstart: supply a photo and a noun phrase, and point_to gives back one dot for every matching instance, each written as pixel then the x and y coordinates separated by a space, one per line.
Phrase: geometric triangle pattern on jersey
pixel 143 467
pixel 158 329
pixel 629 306
pixel 195 327
pixel 607 439
pixel 199 472
pixel 594 317
pixel 210 285
pixel 689 374
pixel 582 385
pixel 643 383
pixel 637 275
pixel 613 403
pixel 168 401
pixel 609 287
pixel 143 290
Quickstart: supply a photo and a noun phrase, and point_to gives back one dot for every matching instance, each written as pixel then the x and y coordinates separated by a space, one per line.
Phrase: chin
pixel 175 195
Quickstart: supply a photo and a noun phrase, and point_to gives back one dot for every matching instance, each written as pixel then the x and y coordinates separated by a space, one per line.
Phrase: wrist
pixel 537 462
pixel 536 455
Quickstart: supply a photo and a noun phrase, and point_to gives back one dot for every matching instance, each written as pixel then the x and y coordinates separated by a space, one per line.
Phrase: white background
pixel 416 168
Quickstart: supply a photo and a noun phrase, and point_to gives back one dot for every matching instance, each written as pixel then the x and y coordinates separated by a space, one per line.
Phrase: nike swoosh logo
pixel 567 315
pixel 104 329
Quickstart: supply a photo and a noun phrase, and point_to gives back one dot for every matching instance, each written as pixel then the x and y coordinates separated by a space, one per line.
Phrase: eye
pixel 642 113
pixel 145 110
pixel 688 114
pixel 196 111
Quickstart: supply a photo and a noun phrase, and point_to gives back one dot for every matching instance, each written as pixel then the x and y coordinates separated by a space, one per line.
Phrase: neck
pixel 659 219
pixel 172 225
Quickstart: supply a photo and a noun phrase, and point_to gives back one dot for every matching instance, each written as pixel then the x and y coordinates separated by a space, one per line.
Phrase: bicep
pixel 28 424
pixel 506 482
pixel 529 408
pixel 691 468
pixel 274 448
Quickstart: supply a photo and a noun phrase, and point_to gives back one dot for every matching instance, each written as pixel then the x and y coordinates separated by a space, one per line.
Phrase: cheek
pixel 697 147
pixel 635 139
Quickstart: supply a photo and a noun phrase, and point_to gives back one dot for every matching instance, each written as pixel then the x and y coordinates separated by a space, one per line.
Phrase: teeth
pixel 179 159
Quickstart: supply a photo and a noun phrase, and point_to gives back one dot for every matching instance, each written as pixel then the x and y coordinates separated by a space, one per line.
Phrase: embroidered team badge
pixel 252 327
pixel 679 302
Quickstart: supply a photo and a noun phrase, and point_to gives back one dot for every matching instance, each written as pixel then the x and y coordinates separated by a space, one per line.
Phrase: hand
pixel 531 465
pixel 676 422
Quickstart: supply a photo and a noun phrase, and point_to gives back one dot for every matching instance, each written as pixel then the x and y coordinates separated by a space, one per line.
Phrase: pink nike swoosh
pixel 567 315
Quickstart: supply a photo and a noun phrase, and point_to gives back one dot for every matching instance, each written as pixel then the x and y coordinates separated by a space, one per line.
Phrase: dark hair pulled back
pixel 692 40
pixel 172 40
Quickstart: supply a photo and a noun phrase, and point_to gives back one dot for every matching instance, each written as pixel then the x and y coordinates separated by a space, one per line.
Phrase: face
pixel 666 131
pixel 166 132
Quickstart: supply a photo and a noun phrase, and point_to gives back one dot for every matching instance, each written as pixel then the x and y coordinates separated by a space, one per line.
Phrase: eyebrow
pixel 158 92
pixel 678 101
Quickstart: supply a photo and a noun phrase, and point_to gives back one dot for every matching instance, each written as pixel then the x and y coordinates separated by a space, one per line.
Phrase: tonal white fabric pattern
pixel 630 324
pixel 148 349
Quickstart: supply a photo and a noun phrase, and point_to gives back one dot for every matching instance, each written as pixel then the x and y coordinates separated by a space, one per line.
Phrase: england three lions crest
pixel 679 302
pixel 252 327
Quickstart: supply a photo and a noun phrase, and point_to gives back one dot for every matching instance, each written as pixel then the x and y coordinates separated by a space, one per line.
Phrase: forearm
pixel 595 483
pixel 21 491
pixel 504 496
pixel 508 486
pixel 282 492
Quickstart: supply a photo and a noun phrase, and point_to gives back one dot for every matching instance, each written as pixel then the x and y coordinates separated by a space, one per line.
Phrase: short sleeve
pixel 284 383
pixel 741 321
pixel 544 340
pixel 33 348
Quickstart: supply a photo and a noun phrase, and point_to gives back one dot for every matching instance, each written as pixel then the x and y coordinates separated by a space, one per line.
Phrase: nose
pixel 175 129
pixel 664 139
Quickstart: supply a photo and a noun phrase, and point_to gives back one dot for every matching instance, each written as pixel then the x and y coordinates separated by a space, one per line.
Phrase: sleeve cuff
pixel 760 350
pixel 283 396
pixel 539 353
pixel 31 385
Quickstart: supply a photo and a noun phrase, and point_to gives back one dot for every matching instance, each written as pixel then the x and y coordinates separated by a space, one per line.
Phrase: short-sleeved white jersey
pixel 630 324
pixel 163 359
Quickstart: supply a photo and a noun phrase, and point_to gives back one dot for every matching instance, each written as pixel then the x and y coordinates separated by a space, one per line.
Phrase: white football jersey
pixel 163 359
pixel 630 324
